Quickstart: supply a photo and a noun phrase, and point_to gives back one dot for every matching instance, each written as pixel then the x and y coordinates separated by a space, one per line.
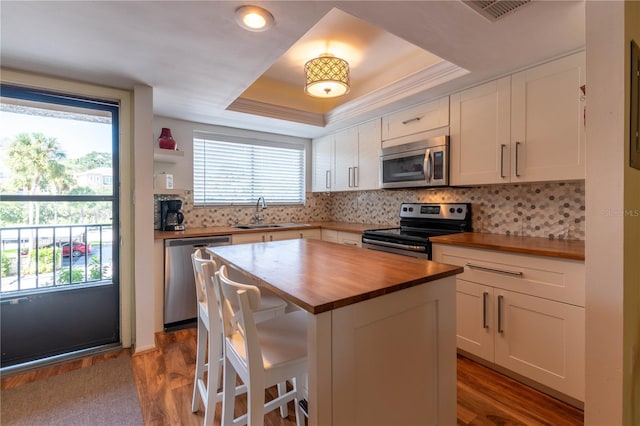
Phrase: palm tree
pixel 36 163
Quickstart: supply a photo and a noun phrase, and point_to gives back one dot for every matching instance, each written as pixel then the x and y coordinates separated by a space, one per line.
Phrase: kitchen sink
pixel 269 225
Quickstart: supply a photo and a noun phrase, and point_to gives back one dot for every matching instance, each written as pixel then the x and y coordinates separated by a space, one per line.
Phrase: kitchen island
pixel 381 330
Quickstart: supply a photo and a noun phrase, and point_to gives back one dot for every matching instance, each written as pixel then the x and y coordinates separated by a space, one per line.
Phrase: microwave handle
pixel 427 166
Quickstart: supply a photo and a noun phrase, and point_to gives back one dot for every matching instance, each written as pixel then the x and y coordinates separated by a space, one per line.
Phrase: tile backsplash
pixel 553 210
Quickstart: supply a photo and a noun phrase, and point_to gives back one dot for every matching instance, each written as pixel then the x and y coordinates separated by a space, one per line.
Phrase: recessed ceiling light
pixel 254 18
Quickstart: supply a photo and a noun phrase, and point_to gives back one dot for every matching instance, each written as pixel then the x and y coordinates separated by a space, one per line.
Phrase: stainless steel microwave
pixel 423 163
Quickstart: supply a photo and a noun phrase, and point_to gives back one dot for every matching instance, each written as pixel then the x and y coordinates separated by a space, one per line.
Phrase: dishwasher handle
pixel 218 240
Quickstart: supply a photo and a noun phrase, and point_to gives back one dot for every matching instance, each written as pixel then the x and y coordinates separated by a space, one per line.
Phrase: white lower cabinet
pixel 261 237
pixel 341 237
pixel 535 337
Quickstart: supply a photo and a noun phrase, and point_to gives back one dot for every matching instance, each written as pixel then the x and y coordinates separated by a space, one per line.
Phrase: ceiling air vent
pixel 495 9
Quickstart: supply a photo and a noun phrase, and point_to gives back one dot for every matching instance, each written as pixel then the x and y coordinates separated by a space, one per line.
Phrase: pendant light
pixel 326 77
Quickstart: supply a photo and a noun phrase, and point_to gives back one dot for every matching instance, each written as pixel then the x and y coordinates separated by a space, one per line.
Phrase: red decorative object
pixel 166 141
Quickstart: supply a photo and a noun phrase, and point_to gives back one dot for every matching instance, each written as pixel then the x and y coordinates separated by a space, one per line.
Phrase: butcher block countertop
pixel 320 276
pixel 226 230
pixel 566 249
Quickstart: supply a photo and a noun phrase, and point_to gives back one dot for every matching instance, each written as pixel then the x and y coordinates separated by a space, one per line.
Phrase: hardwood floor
pixel 164 378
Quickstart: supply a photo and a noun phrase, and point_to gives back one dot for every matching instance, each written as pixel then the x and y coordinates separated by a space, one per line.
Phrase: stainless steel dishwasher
pixel 180 304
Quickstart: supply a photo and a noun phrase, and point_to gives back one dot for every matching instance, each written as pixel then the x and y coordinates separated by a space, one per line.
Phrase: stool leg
pixel 299 383
pixel 255 400
pixel 228 393
pixel 282 389
pixel 200 364
pixel 213 380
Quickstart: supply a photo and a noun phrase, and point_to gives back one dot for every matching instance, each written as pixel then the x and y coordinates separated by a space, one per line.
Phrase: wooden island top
pixel 319 276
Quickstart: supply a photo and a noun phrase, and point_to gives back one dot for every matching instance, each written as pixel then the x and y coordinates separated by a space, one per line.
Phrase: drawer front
pixel 428 116
pixel 561 280
pixel 350 239
pixel 329 235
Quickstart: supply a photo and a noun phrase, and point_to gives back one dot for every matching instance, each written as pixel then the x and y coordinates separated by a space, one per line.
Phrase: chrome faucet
pixel 257 216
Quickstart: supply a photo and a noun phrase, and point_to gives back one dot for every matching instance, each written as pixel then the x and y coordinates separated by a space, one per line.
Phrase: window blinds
pixel 229 170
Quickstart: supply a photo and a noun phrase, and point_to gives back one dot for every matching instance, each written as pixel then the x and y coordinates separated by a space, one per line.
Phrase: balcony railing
pixel 48 257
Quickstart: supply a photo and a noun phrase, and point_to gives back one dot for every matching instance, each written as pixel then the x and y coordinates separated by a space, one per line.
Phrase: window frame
pixel 301 146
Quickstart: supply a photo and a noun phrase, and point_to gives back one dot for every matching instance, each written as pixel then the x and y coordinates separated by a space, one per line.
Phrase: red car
pixel 78 249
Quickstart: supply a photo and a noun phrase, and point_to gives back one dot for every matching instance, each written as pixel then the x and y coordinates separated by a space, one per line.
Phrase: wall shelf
pixel 167 155
pixel 169 191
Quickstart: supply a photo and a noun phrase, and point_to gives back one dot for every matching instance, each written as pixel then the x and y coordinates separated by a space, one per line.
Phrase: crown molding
pixel 417 82
pixel 264 109
pixel 420 81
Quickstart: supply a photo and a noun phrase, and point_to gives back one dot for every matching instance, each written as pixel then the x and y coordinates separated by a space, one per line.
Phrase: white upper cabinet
pixel 421 118
pixel 322 156
pixel 347 160
pixel 548 121
pixel 528 127
pixel 369 145
pixel 480 134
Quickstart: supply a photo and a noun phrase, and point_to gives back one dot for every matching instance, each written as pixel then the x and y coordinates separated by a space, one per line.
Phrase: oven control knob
pixel 452 210
pixel 410 209
pixel 459 210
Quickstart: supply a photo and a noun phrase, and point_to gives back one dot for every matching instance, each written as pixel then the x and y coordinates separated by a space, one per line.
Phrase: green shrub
pixel 45 260
pixel 94 270
pixel 6 265
pixel 77 276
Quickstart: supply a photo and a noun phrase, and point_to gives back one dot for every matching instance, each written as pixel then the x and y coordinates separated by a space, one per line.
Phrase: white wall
pixel 612 243
pixel 145 295
pixel 182 132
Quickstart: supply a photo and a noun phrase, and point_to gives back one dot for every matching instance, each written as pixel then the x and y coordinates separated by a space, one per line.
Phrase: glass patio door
pixel 59 290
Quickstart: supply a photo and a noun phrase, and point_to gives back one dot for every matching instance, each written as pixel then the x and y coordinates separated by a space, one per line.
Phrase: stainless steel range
pixel 418 222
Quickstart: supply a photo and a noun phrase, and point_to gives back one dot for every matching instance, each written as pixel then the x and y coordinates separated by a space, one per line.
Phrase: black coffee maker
pixel 171 216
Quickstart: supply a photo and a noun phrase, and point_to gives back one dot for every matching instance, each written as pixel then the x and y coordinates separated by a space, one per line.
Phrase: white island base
pixel 390 360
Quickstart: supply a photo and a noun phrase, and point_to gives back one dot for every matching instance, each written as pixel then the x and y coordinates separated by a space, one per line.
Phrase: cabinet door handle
pixel 485 301
pixel 350 174
pixel 502 147
pixel 500 303
pixel 327 179
pixel 411 120
pixel 494 270
pixel 347 243
pixel 517 160
pixel 355 176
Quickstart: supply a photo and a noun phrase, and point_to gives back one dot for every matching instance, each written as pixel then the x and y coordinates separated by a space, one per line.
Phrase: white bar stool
pixel 209 336
pixel 262 354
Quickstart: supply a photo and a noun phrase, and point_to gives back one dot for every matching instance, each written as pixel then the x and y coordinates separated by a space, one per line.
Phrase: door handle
pixel 500 307
pixel 495 270
pixel 411 120
pixel 502 147
pixel 517 160
pixel 485 300
pixel 327 179
pixel 355 176
pixel 350 174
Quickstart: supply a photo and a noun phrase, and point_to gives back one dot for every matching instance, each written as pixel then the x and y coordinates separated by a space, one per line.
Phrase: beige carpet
pixel 104 394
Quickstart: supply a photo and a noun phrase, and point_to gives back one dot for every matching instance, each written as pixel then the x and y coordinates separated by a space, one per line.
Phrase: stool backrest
pixel 238 317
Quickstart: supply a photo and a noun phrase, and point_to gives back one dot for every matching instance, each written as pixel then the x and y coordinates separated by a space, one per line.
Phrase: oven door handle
pixel 427 166
pixel 394 245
